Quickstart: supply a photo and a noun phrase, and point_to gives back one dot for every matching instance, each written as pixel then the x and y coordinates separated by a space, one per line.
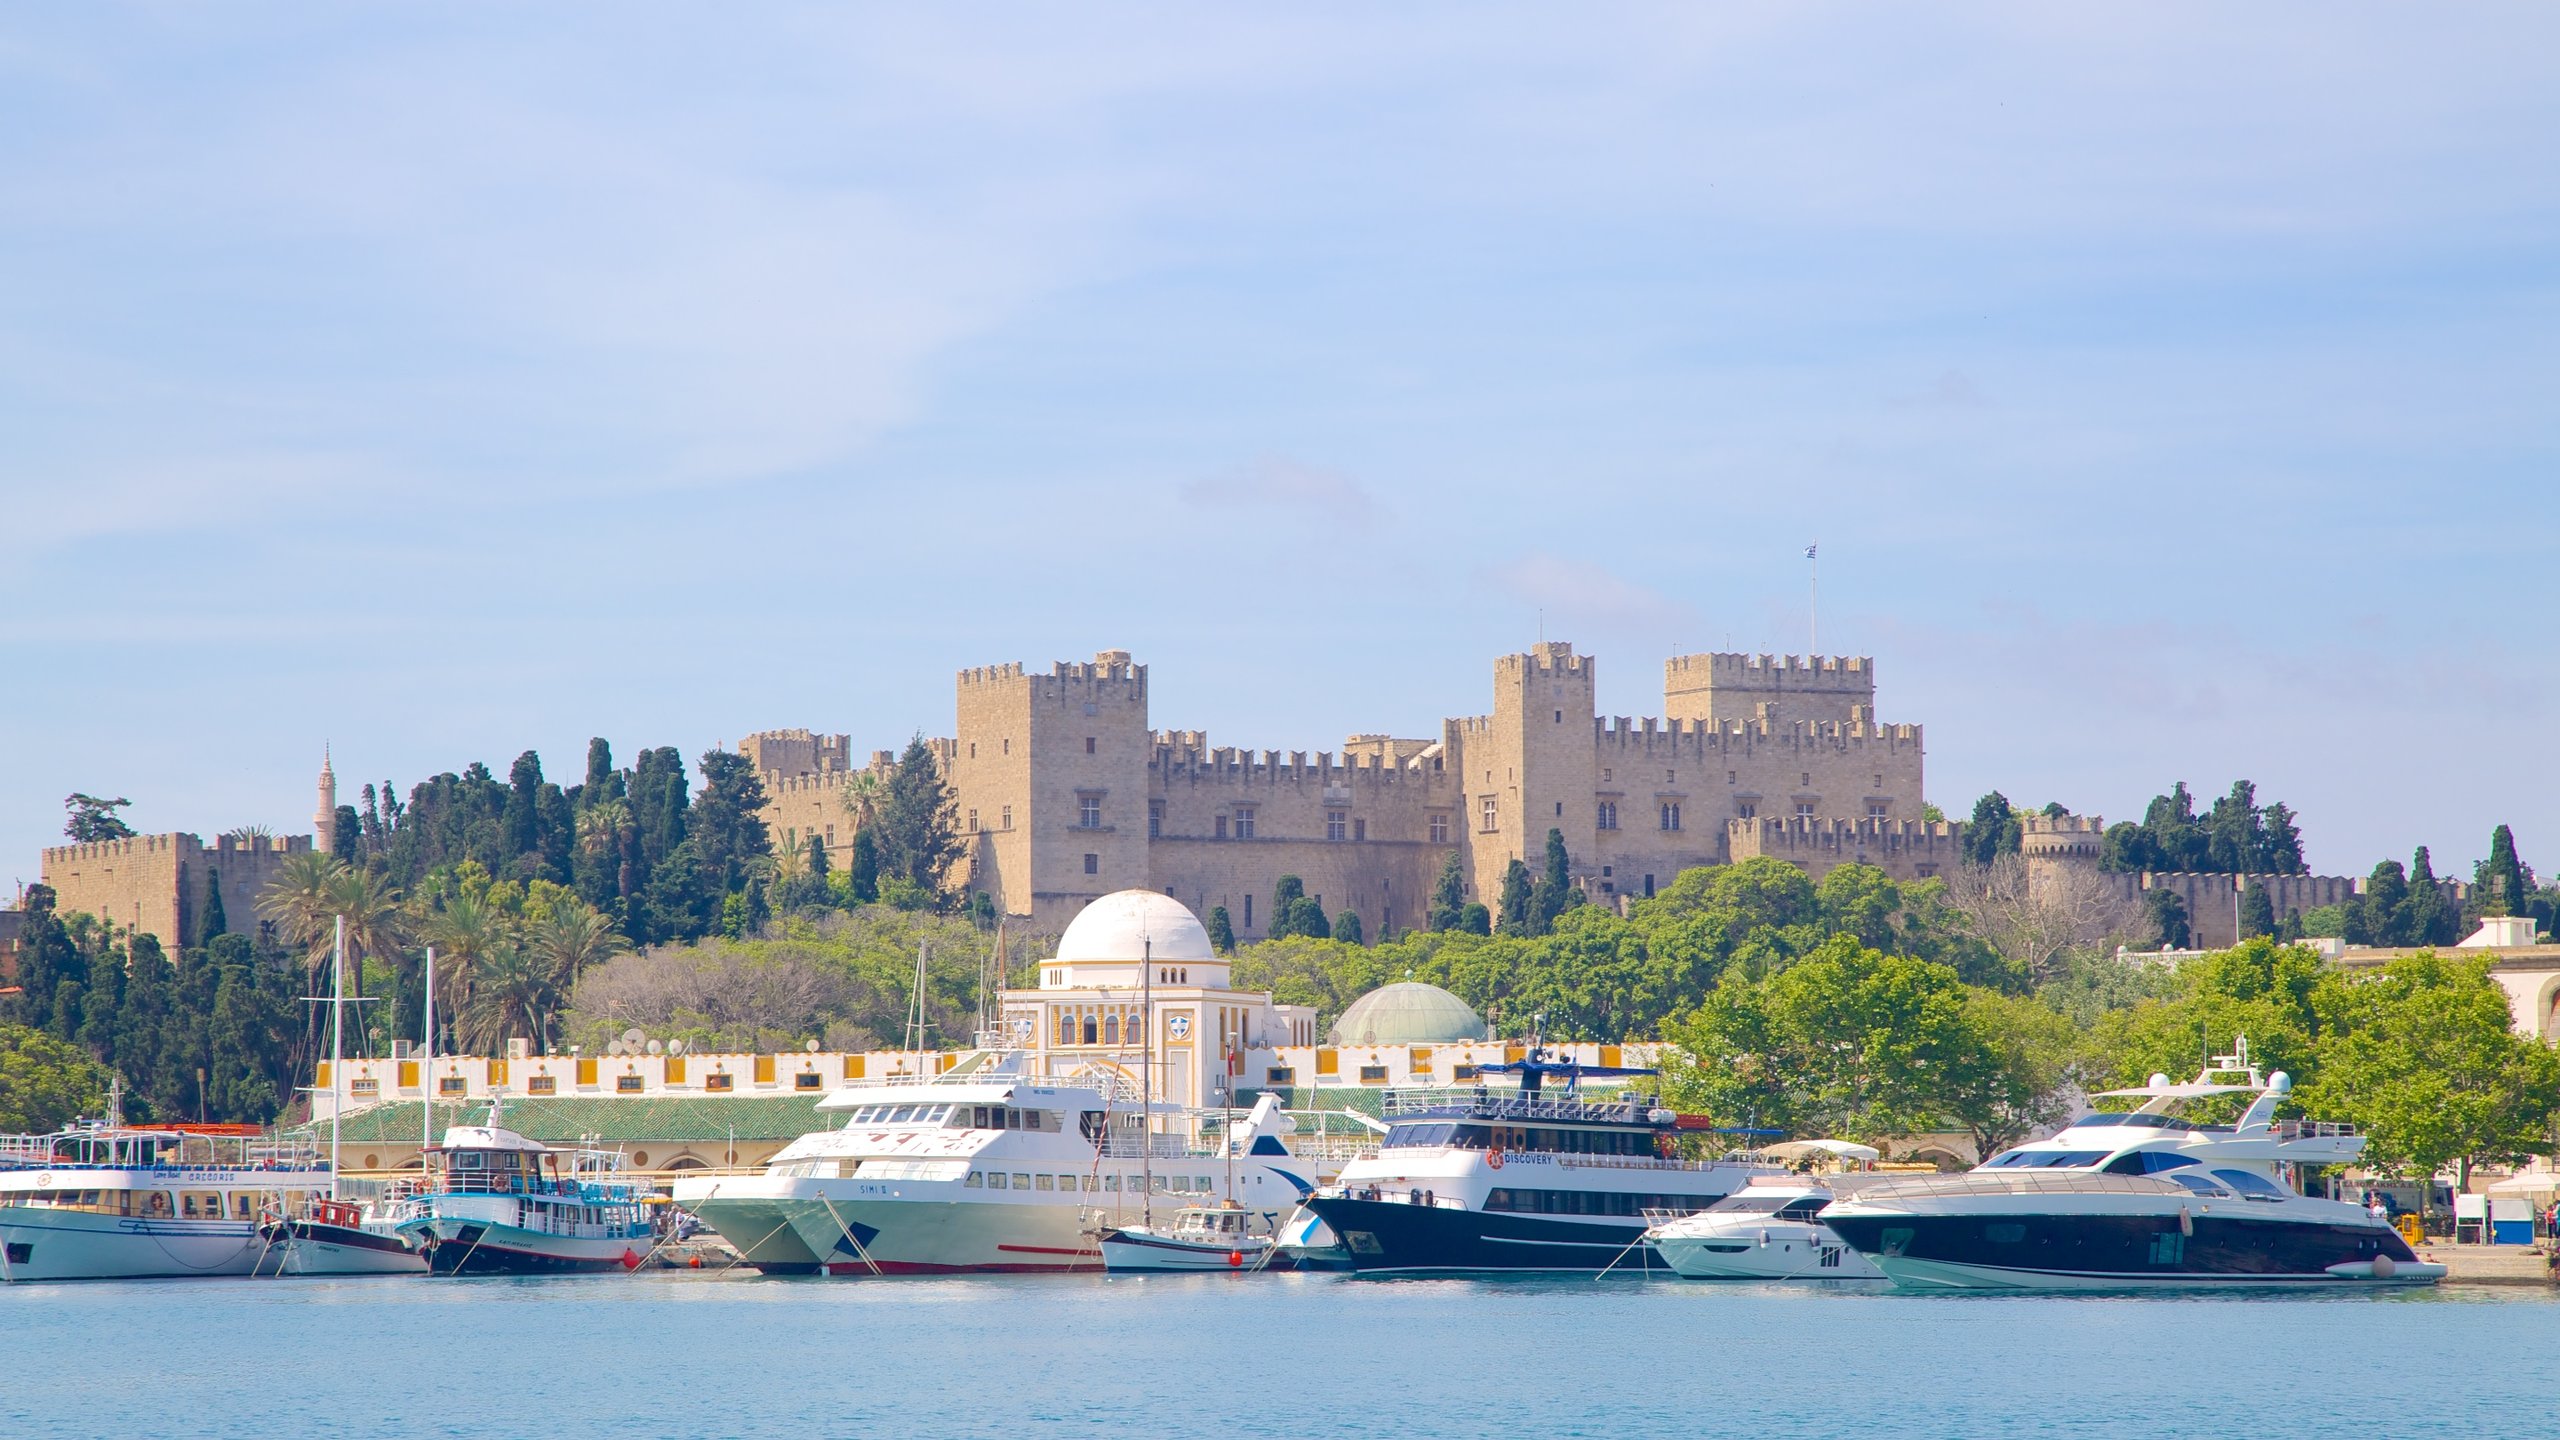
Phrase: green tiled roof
pixel 615 1121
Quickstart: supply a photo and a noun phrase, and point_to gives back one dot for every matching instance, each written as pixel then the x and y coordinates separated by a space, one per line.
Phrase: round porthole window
pixel 373 1162
pixel 639 1157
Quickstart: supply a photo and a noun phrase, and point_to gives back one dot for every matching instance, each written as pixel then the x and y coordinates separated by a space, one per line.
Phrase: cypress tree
pixel 216 923
pixel 2502 883
pixel 1346 928
pixel 2425 918
pixel 862 872
pixel 1284 915
pixel 1306 917
pixel 1475 919
pixel 2167 913
pixel 1516 898
pixel 347 841
pixel 2257 912
pixel 1554 888
pixel 1448 895
pixel 817 855
pixel 1222 931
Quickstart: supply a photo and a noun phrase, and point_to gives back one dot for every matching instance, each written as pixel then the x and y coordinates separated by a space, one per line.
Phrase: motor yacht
pixel 1201 1237
pixel 984 1168
pixel 1768 1230
pixel 1531 1176
pixel 2139 1199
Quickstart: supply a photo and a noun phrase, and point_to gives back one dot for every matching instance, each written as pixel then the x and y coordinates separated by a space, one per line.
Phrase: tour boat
pixel 982 1169
pixel 1479 1178
pixel 498 1203
pixel 1202 1237
pixel 115 1202
pixel 1767 1230
pixel 2139 1200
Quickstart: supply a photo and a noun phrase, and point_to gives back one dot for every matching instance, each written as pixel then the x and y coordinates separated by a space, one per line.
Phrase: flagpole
pixel 1813 610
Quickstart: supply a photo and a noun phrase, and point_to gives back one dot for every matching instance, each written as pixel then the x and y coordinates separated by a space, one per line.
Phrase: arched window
pixel 1111 1028
pixel 1137 1032
pixel 1089 1031
pixel 1066 1027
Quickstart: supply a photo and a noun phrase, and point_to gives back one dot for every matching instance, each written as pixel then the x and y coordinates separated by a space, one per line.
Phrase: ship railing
pixel 1659 1215
pixel 1160 1147
pixel 1568 1160
pixel 2021 1182
pixel 1476 1101
pixel 2313 1130
pixel 26 1152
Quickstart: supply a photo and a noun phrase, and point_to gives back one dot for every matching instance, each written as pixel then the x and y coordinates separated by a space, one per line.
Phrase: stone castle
pixel 1067 792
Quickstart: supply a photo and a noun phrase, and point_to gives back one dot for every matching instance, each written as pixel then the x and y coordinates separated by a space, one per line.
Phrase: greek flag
pixel 1808 551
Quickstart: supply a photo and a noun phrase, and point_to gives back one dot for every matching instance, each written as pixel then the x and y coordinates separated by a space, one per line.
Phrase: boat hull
pixel 40 1243
pixel 1136 1252
pixel 849 1236
pixel 1390 1237
pixel 470 1247
pixel 2129 1251
pixel 308 1247
pixel 1782 1251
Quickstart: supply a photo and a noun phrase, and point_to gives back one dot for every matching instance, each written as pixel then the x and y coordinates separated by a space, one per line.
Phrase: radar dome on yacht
pixel 1105 943
pixel 1408 1013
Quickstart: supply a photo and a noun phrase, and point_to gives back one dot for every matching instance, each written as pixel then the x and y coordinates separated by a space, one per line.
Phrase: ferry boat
pixel 121 1202
pixel 2140 1199
pixel 1201 1237
pixel 498 1203
pixel 981 1169
pixel 1486 1179
pixel 1768 1229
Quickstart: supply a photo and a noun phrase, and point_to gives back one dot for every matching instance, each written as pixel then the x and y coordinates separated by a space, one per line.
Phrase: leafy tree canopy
pixel 95 819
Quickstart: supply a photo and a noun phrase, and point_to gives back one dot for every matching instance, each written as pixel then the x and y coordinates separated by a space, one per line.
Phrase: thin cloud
pixel 1573 590
pixel 1282 485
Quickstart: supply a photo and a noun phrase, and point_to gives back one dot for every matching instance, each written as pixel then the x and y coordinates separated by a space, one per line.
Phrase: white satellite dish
pixel 675 1047
pixel 655 1047
pixel 633 1036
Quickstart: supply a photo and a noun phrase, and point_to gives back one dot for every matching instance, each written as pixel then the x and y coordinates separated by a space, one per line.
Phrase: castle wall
pixel 1719 688
pixel 157 884
pixel 1905 849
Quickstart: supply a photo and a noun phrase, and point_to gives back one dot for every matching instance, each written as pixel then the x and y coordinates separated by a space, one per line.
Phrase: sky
pixel 2169 388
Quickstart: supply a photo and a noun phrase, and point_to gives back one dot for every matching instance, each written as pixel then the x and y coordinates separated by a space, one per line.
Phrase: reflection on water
pixel 704 1354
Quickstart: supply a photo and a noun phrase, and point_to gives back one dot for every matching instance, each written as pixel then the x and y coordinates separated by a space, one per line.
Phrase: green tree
pixel 568 939
pixel 2258 989
pixel 2426 917
pixel 2257 911
pixel 2164 911
pixel 919 832
pixel 2425 1058
pixel 862 869
pixel 1994 831
pixel 46 1083
pixel 817 855
pixel 1449 895
pixel 1286 892
pixel 1519 917
pixel 1346 928
pixel 1306 917
pixel 1475 919
pixel 1222 930
pixel 2502 880
pixel 215 921
pixel 95 819
pixel 1554 889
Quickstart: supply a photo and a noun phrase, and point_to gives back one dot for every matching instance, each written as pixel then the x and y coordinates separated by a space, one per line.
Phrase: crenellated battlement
pixel 1322 768
pixel 1720 686
pixel 1551 659
pixel 991 674
pixel 1844 671
pixel 1908 848
pixel 1651 736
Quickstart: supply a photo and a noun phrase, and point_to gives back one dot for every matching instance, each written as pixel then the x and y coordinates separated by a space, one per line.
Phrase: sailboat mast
pixel 427 1067
pixel 1147 1085
pixel 337 1029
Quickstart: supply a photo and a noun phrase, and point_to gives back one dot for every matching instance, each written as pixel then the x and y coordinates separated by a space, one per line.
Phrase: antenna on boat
pixel 915 1013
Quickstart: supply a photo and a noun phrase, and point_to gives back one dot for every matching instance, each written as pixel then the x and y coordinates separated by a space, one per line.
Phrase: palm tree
pixel 570 939
pixel 297 902
pixel 864 794
pixel 511 993
pixel 370 904
pixel 467 932
pixel 600 827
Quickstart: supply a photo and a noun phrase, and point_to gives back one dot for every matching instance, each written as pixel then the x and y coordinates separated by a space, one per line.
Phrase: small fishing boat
pixel 335 1235
pixel 1202 1237
pixel 496 1203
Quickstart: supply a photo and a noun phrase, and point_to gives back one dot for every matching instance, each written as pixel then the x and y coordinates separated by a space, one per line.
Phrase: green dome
pixel 1407 1013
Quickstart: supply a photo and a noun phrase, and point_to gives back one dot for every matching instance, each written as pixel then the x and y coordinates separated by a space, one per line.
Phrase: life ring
pixel 1493 1159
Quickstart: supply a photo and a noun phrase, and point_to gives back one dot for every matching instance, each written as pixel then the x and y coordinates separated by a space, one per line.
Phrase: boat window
pixel 902 1114
pixel 1749 1204
pixel 1044 1182
pixel 2068 1159
pixel 2200 1185
pixel 1021 1182
pixel 2147 1162
pixel 1111 1182
pixel 1803 1207
pixel 2251 1183
pixel 995 1180
pixel 977 1179
pixel 1404 1135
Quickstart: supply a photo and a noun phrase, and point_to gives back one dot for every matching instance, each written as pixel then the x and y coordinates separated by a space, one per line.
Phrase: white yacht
pixel 109 1202
pixel 2139 1199
pixel 1767 1230
pixel 983 1169
pixel 1483 1178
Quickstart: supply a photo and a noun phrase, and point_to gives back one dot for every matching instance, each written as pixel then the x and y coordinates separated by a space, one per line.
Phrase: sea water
pixel 693 1354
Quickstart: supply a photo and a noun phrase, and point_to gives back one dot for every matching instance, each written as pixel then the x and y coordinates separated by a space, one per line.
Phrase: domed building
pixel 1408 1013
pixel 1133 954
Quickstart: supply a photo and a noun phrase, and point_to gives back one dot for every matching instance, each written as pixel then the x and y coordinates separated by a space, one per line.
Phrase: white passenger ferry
pixel 985 1170
pixel 116 1202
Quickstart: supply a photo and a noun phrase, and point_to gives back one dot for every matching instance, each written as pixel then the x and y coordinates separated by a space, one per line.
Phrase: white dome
pixel 1122 925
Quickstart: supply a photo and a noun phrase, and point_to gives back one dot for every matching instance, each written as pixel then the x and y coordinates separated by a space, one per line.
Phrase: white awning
pixel 1837 1149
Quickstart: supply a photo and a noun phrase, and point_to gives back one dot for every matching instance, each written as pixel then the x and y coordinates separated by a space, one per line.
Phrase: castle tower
pixel 1720 688
pixel 324 821
pixel 1528 768
pixel 2053 846
pixel 1051 772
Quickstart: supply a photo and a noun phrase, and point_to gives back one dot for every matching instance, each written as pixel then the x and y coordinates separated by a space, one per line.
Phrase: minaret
pixel 324 823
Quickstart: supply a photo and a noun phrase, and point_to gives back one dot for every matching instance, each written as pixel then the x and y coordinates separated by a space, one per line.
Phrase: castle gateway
pixel 1067 792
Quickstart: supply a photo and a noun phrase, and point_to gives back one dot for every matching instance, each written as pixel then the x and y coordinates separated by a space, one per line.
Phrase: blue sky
pixel 2170 388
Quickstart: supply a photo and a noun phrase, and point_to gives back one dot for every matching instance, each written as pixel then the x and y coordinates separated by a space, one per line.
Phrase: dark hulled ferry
pixel 1537 1177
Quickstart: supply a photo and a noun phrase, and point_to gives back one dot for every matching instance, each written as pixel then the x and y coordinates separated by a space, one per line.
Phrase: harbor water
pixel 682 1354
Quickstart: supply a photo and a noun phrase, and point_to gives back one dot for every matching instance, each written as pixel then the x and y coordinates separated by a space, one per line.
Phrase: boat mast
pixel 427 1068
pixel 337 1027
pixel 1147 1083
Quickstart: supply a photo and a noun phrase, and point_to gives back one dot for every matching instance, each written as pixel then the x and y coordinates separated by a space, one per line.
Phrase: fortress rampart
pixel 158 884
